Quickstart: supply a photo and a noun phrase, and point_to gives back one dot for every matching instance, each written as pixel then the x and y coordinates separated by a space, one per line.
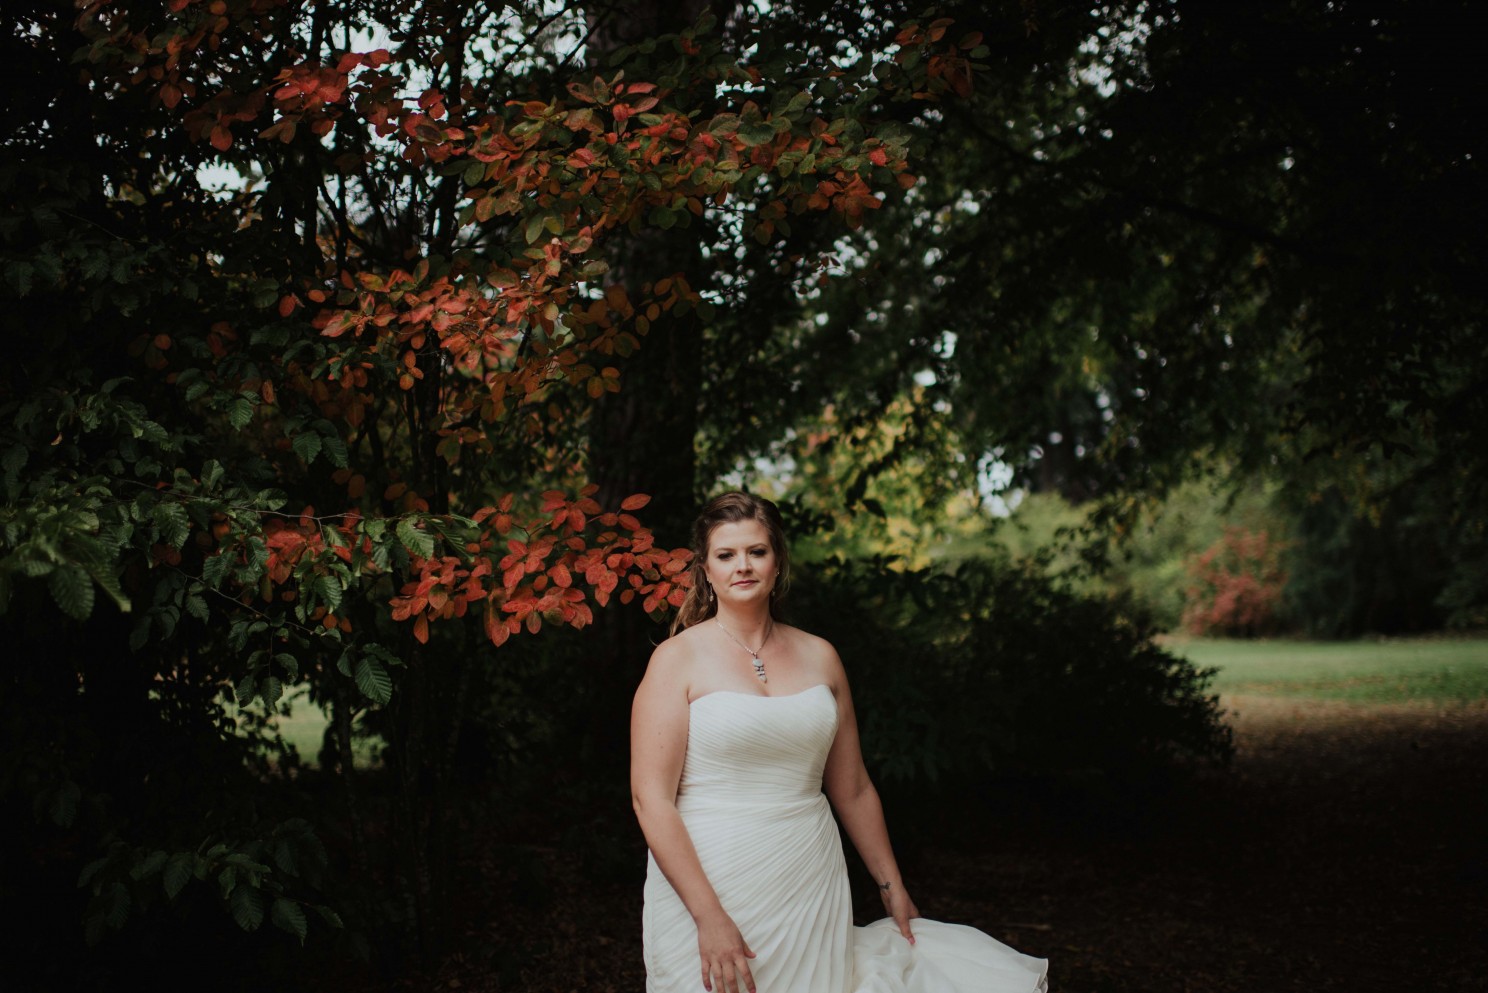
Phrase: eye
pixel 759 553
pixel 725 556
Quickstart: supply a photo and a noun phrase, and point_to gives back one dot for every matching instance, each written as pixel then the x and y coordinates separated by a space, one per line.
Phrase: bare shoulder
pixel 817 655
pixel 806 643
pixel 671 664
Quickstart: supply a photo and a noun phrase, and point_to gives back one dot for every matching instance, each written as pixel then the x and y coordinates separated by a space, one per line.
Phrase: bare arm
pixel 658 746
pixel 846 783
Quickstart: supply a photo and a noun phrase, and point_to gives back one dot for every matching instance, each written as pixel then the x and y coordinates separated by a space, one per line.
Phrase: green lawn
pixel 305 729
pixel 1383 671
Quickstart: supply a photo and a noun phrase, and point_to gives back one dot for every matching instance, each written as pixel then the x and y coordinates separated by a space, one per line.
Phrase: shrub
pixel 991 670
pixel 1236 585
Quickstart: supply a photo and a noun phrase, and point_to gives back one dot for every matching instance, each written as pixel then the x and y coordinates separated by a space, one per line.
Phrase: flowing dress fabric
pixel 751 798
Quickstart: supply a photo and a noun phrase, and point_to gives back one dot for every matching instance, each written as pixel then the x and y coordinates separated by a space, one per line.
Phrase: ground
pixel 1343 850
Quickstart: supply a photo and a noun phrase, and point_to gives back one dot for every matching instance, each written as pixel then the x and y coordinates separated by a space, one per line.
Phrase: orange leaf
pixel 635 501
pixel 421 629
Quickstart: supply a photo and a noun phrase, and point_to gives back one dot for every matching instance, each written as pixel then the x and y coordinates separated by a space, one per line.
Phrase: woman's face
pixel 741 565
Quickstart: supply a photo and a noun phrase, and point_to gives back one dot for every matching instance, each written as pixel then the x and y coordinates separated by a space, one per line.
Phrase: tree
pixel 1161 237
pixel 310 322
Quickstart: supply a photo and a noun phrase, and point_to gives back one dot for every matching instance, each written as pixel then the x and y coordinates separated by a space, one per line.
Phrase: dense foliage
pixel 349 340
pixel 988 671
pixel 1162 238
pixel 311 312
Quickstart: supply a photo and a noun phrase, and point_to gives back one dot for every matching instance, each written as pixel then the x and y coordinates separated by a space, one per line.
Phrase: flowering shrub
pixel 1236 585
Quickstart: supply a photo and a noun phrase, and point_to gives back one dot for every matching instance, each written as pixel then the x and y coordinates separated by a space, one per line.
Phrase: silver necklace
pixel 759 667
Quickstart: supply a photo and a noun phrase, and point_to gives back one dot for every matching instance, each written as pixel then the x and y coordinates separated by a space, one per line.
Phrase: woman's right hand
pixel 725 955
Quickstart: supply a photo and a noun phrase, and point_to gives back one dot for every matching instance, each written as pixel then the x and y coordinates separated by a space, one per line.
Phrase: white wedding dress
pixel 751 797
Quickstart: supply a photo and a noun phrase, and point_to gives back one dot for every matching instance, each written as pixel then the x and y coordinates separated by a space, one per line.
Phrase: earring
pixel 711 594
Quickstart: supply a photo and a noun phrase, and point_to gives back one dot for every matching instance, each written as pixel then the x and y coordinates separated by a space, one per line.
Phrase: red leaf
pixel 635 502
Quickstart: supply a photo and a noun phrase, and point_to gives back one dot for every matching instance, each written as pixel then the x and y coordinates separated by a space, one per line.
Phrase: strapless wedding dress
pixel 751 797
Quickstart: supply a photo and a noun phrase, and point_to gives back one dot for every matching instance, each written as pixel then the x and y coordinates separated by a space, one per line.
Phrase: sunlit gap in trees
pixel 550 32
pixel 1118 57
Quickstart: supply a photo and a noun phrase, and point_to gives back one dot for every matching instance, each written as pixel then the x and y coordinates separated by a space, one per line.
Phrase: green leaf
pixel 534 228
pixel 373 680
pixel 19 275
pixel 239 413
pixel 306 446
pixel 417 541
pixel 289 916
pixel 329 916
pixel 265 292
pixel 335 450
pixel 284 857
pixel 65 804
pixel 152 864
pixel 90 870
pixel 116 906
pixel 173 522
pixel 197 607
pixel 214 570
pixel 226 880
pixel 177 873
pixel 329 590
pixel 756 134
pixel 247 906
pixel 73 590
pixel 289 664
pixel 383 655
pixel 14 458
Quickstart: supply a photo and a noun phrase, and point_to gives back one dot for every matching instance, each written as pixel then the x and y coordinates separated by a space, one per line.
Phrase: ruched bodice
pixel 751 797
pixel 759 751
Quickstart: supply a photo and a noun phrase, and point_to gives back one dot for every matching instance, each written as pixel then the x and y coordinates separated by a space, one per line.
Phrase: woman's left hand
pixel 900 907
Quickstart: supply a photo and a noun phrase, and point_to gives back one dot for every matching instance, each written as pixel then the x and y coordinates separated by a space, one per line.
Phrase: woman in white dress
pixel 741 732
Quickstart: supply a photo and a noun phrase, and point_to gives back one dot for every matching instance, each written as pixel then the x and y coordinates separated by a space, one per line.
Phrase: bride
pixel 741 732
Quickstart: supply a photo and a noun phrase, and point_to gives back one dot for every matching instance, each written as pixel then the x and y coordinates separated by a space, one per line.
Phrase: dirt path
pixel 1346 850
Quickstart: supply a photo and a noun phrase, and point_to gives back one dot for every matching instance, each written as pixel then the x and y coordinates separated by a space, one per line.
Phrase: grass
pixel 305 726
pixel 1436 670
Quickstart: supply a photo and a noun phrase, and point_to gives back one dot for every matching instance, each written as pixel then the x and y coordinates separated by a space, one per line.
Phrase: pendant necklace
pixel 759 667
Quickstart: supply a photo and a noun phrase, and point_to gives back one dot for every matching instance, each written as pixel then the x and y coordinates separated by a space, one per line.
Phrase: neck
pixel 744 622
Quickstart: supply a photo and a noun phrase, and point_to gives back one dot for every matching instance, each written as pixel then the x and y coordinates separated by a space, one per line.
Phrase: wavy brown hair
pixel 730 508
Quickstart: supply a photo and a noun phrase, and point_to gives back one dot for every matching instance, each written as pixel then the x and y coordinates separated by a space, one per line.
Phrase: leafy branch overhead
pixel 503 311
pixel 330 302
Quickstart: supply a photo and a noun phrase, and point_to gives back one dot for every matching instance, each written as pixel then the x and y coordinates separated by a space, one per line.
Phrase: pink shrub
pixel 1235 585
